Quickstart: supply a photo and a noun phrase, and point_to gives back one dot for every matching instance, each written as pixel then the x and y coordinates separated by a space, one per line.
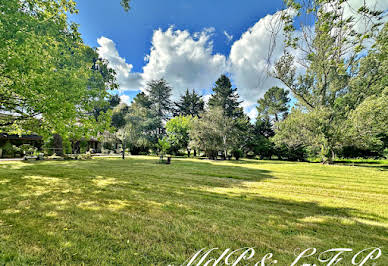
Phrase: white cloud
pixel 185 60
pixel 126 79
pixel 248 59
pixel 228 36
pixel 125 99
pixel 252 112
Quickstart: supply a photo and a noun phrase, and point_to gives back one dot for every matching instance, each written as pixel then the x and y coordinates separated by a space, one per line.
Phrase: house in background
pixel 34 140
pixel 16 140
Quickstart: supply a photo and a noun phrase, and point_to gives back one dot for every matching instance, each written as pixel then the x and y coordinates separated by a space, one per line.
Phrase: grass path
pixel 138 212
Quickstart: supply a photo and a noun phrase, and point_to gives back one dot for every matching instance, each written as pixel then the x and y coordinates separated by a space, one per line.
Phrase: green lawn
pixel 110 211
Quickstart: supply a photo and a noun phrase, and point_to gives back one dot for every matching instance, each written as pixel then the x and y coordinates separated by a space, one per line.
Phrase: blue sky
pixel 128 40
pixel 189 43
pixel 132 32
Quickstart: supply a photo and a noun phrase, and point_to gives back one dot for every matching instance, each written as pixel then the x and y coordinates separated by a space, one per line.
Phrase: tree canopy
pixel 50 81
pixel 226 97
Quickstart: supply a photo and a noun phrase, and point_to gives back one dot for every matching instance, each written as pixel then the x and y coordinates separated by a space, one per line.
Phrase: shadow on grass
pixel 88 212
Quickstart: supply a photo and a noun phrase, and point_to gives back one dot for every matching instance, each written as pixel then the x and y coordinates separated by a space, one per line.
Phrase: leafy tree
pixel 368 123
pixel 226 97
pixel 260 133
pixel 178 129
pixel 143 125
pixel 163 146
pixel 119 115
pixel 190 104
pixel 214 132
pixel 274 105
pixel 330 57
pixel 314 129
pixel 142 100
pixel 367 99
pixel 50 81
pixel 102 106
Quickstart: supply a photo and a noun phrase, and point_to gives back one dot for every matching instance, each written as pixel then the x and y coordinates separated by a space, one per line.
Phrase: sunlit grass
pixel 110 211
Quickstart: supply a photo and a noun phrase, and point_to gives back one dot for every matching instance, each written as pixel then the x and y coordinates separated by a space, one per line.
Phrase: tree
pixel 178 129
pixel 159 94
pixel 143 125
pixel 119 116
pixel 190 104
pixel 367 99
pixel 214 132
pixel 274 105
pixel 226 97
pixel 142 100
pixel 163 146
pixel 50 81
pixel 330 53
pixel 368 123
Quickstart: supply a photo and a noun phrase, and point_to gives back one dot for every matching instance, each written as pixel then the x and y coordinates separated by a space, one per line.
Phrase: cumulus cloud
pixel 125 78
pixel 252 112
pixel 251 57
pixel 125 99
pixel 185 60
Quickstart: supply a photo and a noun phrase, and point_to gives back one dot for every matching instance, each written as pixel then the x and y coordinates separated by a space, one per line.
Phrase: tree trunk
pixel 123 156
pixel 195 153
pixel 327 155
pixel 58 145
pixel 188 152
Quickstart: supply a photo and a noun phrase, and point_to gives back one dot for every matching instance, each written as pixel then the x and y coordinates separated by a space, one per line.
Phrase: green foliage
pixel 159 94
pixel 27 149
pixel 125 5
pixel 119 115
pixel 178 129
pixel 274 105
pixel 9 150
pixel 226 98
pixel 317 129
pixel 190 104
pixel 369 123
pixel 331 56
pixel 50 81
pixel 163 146
pixel 215 132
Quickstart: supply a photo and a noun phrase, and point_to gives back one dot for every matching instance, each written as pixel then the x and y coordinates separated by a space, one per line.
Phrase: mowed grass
pixel 139 212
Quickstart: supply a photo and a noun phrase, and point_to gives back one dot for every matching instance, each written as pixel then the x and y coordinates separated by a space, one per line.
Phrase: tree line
pixel 334 102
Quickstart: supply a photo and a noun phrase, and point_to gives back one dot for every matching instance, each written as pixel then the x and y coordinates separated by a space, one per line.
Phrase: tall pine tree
pixel 159 94
pixel 226 97
pixel 190 104
pixel 274 105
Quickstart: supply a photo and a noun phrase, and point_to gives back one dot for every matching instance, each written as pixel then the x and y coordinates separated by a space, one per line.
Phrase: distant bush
pixel 27 149
pixel 9 150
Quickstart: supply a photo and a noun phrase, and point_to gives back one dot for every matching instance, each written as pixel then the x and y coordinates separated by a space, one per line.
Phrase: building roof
pixel 22 137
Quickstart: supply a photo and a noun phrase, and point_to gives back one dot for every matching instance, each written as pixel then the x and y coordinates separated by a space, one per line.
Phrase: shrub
pixel 27 149
pixel 9 150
